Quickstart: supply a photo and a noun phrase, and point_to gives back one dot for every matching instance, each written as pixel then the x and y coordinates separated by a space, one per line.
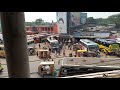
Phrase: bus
pixel 107 45
pixel 31 46
pixel 117 40
pixel 52 43
pixel 89 45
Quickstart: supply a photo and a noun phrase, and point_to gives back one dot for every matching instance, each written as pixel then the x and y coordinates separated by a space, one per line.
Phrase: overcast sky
pixel 49 16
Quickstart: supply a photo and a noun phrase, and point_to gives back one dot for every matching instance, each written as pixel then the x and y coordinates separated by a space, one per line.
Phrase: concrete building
pixel 43 28
pixel 83 18
pixel 69 22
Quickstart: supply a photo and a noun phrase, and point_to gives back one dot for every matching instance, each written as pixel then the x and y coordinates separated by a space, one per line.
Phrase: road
pixel 34 62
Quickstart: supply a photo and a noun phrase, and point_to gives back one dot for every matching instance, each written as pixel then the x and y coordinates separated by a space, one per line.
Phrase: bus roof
pixel 47 63
pixel 88 42
pixel 52 40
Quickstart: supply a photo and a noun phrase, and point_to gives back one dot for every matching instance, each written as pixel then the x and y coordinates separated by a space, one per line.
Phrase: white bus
pixel 89 45
pixel 117 40
pixel 52 43
pixel 31 45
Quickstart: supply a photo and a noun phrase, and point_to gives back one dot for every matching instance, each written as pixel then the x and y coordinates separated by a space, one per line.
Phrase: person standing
pixel 64 53
pixel 59 51
pixel 39 45
pixel 106 54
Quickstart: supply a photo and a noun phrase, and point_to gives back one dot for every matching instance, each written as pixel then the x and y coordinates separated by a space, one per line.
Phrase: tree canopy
pixel 37 22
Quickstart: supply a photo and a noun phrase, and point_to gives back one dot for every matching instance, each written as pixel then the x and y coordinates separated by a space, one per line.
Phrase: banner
pixel 62 22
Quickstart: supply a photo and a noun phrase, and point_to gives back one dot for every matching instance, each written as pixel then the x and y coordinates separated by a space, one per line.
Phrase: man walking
pixel 39 45
pixel 64 53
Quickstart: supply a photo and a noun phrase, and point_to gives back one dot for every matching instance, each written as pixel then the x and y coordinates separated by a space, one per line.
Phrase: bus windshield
pixel 30 42
pixel 93 47
pixel 55 44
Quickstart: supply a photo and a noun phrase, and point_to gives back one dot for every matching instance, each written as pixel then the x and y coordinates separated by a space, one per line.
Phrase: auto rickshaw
pixel 2 51
pixel 43 54
pixel 42 71
pixel 1 68
pixel 81 53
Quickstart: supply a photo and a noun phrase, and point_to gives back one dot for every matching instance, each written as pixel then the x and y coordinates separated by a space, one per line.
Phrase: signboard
pixel 62 22
pixel 75 19
pixel 83 18
pixel 103 35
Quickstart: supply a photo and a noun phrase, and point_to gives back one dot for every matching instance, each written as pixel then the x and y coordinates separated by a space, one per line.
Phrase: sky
pixel 49 16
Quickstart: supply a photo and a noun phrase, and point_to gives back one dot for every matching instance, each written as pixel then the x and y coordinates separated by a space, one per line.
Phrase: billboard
pixel 74 19
pixel 83 18
pixel 62 22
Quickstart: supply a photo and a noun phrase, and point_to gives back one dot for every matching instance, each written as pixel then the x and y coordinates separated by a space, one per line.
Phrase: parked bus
pixel 31 45
pixel 89 45
pixel 117 40
pixel 107 45
pixel 52 43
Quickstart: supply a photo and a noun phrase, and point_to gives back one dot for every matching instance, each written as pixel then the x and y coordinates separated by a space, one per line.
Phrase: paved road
pixel 34 63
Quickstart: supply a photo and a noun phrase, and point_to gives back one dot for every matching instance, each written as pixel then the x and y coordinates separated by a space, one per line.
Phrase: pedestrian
pixel 64 47
pixel 106 54
pixel 56 51
pixel 59 51
pixel 37 53
pixel 68 45
pixel 47 68
pixel 63 52
pixel 39 45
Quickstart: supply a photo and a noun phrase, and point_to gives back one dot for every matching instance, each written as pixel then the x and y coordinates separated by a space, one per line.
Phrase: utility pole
pixel 15 43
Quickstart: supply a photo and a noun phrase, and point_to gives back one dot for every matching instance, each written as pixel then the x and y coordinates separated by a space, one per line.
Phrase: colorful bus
pixel 89 45
pixel 52 43
pixel 31 46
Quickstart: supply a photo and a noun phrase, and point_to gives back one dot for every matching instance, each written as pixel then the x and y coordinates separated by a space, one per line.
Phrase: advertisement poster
pixel 75 18
pixel 62 22
pixel 83 18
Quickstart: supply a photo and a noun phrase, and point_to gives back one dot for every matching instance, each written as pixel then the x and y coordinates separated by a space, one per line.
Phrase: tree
pixel 115 19
pixel 39 21
pixel 91 20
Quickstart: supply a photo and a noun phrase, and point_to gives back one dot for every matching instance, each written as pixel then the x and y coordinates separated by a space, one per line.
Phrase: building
pixel 69 22
pixel 52 28
pixel 83 18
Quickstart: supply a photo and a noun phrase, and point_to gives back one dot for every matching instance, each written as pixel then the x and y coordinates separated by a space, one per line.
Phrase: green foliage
pixel 91 20
pixel 113 19
pixel 37 22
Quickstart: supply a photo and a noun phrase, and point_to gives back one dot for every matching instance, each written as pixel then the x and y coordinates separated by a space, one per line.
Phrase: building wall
pixel 44 28
pixel 55 28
